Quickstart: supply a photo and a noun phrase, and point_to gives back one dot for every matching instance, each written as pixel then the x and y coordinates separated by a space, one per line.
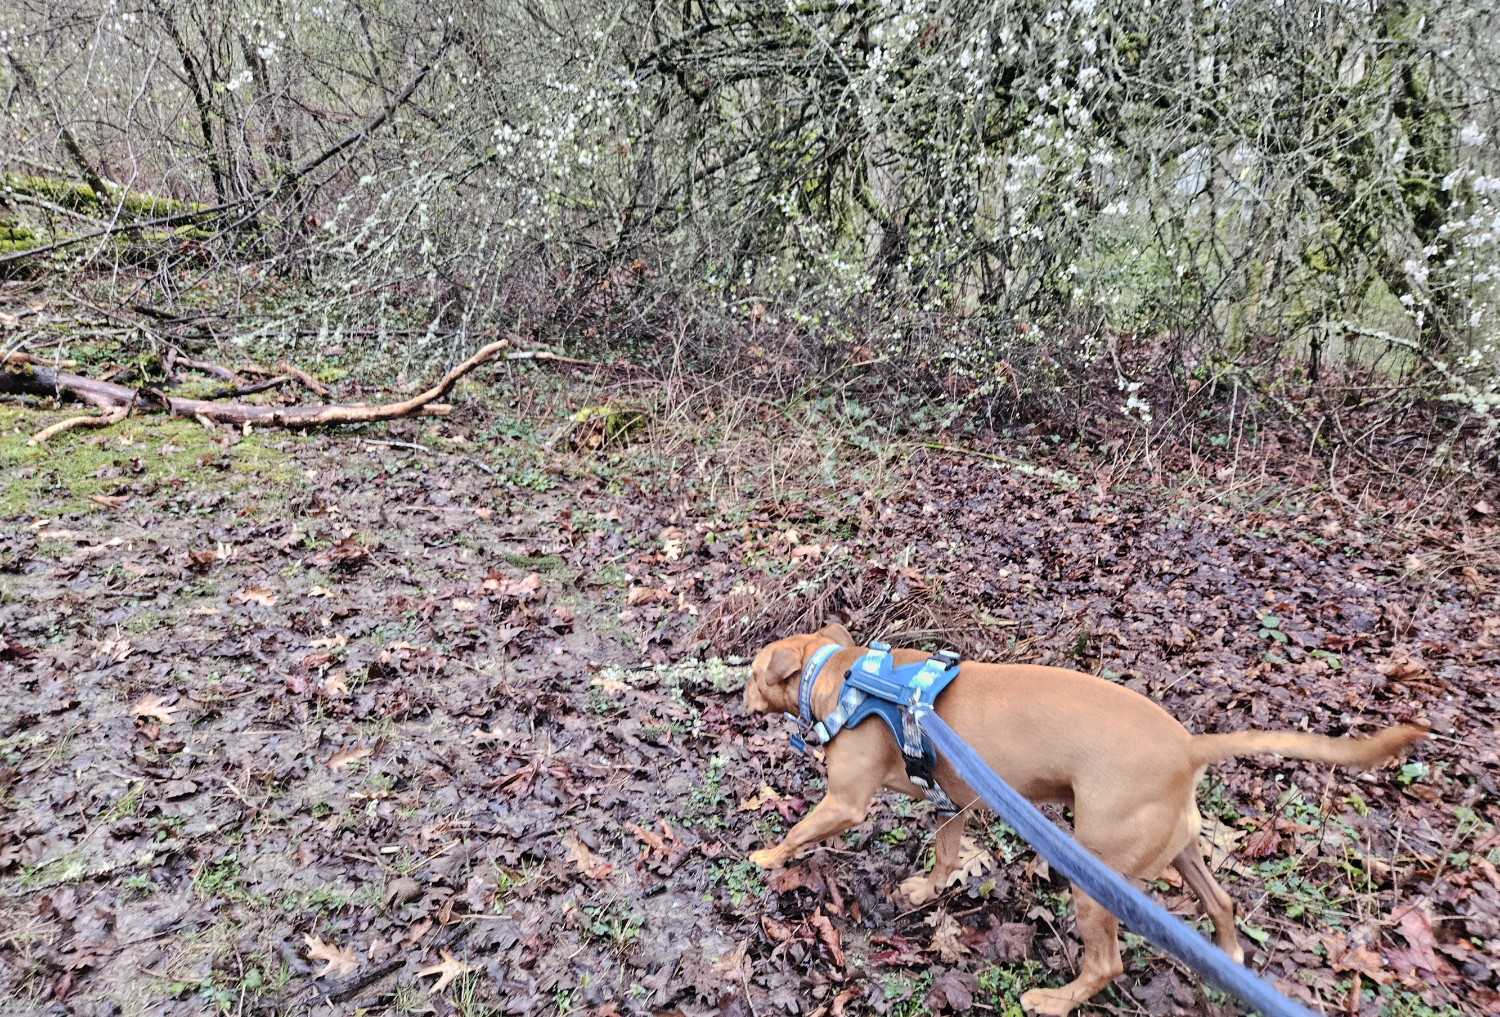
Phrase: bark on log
pixel 32 379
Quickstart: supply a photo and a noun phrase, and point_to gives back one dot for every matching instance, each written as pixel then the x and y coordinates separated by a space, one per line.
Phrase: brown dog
pixel 1125 767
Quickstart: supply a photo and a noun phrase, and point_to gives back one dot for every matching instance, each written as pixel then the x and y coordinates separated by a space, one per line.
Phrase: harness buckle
pixel 948 659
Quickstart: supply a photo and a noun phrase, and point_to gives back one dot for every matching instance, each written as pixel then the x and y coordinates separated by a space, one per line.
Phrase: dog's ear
pixel 784 663
pixel 837 633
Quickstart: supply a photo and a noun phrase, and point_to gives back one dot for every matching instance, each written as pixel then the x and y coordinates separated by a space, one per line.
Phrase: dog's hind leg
pixel 1217 904
pixel 1100 932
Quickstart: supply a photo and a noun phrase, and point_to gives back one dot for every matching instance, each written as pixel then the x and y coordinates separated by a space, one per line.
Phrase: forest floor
pixel 319 724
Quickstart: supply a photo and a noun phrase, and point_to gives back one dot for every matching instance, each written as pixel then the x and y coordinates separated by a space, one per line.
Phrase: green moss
pixel 81 198
pixel 61 476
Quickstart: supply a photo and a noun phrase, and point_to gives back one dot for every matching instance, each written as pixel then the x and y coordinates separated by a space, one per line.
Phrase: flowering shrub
pixel 1277 191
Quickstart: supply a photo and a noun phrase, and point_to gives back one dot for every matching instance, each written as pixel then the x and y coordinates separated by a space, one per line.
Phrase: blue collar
pixel 809 675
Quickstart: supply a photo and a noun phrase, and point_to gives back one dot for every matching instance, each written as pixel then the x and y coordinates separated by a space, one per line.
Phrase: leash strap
pixel 1093 877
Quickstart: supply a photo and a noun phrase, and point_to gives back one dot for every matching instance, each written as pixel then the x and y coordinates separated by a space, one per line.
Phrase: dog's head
pixel 777 669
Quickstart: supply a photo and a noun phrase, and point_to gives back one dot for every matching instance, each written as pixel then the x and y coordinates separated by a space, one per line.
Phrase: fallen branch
pixel 308 381
pixel 27 358
pixel 548 355
pixel 259 386
pixel 204 367
pixel 96 420
pixel 32 379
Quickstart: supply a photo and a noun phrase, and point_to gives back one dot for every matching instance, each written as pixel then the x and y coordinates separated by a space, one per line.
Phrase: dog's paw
pixel 1048 1002
pixel 918 889
pixel 765 858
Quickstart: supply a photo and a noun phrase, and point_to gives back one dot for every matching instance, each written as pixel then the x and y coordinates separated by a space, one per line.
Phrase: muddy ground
pixel 313 724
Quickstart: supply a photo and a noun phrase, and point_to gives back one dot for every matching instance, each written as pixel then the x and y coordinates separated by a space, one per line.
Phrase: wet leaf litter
pixel 300 756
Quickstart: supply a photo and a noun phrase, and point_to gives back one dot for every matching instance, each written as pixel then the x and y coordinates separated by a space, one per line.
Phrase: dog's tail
pixel 1363 752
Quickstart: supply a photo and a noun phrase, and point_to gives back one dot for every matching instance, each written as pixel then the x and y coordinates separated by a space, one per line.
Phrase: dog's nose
pixel 754 701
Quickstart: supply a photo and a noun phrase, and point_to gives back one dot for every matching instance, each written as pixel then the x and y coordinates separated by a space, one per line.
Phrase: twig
pixel 285 181
pixel 308 381
pixel 430 451
pixel 204 367
pixel 27 358
pixel 39 381
pixel 92 420
pixel 259 386
pixel 548 355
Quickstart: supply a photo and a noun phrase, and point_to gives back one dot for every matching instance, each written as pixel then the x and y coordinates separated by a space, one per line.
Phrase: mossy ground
pixel 155 455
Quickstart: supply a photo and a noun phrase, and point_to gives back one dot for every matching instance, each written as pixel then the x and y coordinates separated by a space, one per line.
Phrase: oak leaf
pixel 343 757
pixel 973 860
pixel 580 855
pixel 151 708
pixel 114 650
pixel 256 595
pixel 447 969
pixel 946 937
pixel 339 963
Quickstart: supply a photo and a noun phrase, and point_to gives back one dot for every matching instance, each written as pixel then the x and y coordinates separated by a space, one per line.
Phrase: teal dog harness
pixel 874 685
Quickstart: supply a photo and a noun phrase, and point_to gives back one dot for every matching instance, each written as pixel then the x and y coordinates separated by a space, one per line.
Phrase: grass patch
pixel 153 456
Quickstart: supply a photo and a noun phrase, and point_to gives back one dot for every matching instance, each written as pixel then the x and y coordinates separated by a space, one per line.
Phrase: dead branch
pixel 547 355
pixel 308 381
pixel 34 379
pixel 204 367
pixel 259 386
pixel 94 420
pixel 27 358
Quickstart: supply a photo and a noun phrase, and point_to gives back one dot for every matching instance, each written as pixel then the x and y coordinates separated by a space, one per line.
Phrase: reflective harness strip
pixel 874 685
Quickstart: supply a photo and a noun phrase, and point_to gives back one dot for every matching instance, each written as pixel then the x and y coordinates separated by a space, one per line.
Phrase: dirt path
pixel 308 725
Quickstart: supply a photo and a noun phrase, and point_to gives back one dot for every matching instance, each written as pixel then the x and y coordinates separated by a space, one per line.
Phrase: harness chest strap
pixel 875 685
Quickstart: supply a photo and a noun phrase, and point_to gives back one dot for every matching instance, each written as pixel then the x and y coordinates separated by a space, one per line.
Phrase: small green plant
pixel 1270 628
pixel 219 878
pixel 1001 985
pixel 68 868
pixel 1396 1002
pixel 215 995
pixel 140 885
pixel 706 800
pixel 905 993
pixel 1411 773
pixel 1299 895
pixel 468 1000
pixel 129 802
pixel 609 921
pixel 743 880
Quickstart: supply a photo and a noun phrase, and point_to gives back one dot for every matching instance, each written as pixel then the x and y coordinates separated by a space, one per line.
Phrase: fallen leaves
pixel 261 595
pixel 446 969
pixel 973 860
pixel 947 937
pixel 113 651
pixel 763 796
pixel 673 542
pixel 341 963
pixel 584 859
pixel 12 650
pixel 347 555
pixel 345 757
pixel 152 708
pixel 636 596
pixel 109 501
pixel 665 851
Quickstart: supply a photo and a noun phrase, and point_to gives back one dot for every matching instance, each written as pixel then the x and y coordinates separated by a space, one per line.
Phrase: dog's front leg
pixel 856 769
pixel 833 815
pixel 947 845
